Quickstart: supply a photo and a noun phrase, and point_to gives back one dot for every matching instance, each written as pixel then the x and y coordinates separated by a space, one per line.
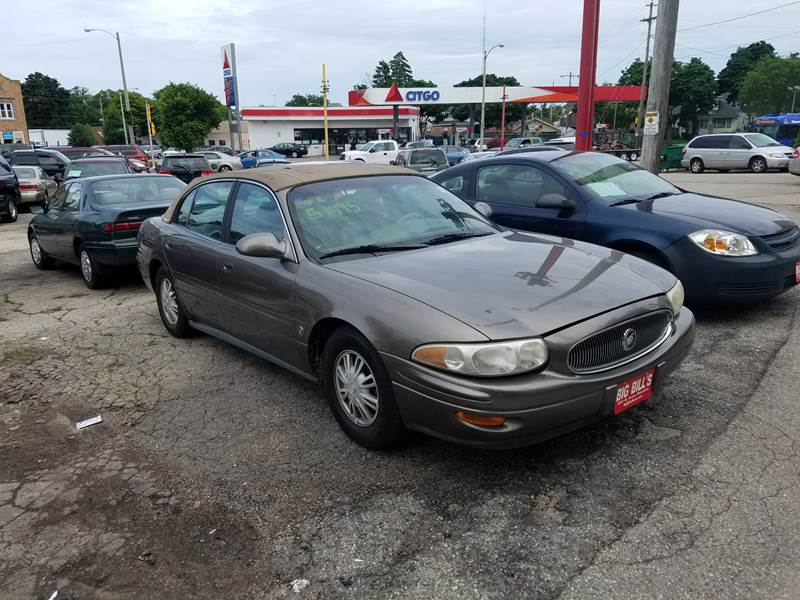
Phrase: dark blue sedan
pixel 721 249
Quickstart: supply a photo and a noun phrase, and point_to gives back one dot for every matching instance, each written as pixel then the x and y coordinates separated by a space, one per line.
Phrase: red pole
pixel 503 121
pixel 585 123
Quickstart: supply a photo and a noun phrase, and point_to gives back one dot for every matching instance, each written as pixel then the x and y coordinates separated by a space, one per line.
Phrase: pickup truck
pixel 381 152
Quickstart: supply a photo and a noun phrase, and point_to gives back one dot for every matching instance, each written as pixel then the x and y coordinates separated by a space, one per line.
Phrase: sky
pixel 281 44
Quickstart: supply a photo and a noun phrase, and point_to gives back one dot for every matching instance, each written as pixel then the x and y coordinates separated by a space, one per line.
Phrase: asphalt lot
pixel 217 475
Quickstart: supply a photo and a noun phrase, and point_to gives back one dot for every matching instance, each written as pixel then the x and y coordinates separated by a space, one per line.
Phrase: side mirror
pixel 39 209
pixel 558 201
pixel 484 209
pixel 263 245
pixel 373 149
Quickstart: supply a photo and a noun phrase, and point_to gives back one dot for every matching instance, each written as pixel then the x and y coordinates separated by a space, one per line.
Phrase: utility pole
pixel 794 89
pixel 649 20
pixel 569 75
pixel 325 110
pixel 658 94
pixel 122 111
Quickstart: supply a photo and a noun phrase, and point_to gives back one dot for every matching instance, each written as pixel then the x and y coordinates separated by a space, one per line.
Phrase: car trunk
pixel 128 219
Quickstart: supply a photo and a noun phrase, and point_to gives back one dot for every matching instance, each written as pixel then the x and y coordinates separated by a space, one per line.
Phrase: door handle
pixel 227 267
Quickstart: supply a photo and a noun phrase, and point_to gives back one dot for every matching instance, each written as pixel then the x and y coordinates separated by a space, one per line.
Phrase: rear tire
pixel 359 391
pixel 758 165
pixel 41 259
pixel 11 213
pixel 224 168
pixel 169 307
pixel 95 276
pixel 634 156
pixel 294 154
pixel 696 166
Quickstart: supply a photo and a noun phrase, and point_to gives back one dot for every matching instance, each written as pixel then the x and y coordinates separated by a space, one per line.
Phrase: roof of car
pixel 136 176
pixel 100 158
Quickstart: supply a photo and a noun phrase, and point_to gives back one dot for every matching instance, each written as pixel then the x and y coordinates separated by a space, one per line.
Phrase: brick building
pixel 13 126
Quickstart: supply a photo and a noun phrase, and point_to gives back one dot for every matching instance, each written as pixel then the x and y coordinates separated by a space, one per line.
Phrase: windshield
pixel 759 140
pixel 366 147
pixel 93 169
pixel 139 189
pixel 194 163
pixel 513 143
pixel 610 179
pixel 25 172
pixel 393 210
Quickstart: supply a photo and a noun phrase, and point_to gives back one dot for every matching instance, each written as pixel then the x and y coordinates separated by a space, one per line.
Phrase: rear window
pixel 26 159
pixel 93 169
pixel 124 150
pixel 425 157
pixel 25 172
pixel 139 189
pixel 192 163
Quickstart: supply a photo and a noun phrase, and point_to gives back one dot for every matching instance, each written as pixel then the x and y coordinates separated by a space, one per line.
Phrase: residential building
pixel 725 117
pixel 13 125
pixel 222 136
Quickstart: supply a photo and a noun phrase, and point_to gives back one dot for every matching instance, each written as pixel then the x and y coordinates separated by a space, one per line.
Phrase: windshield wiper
pixel 372 249
pixel 626 201
pixel 452 237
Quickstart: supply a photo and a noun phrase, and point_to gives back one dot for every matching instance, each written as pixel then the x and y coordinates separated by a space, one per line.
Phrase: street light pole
pixel 483 89
pixel 129 130
pixel 794 89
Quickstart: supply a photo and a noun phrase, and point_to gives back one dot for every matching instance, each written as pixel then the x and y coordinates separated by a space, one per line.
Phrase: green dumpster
pixel 671 156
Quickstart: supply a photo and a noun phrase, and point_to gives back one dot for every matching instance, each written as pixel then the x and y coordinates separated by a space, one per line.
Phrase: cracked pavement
pixel 217 475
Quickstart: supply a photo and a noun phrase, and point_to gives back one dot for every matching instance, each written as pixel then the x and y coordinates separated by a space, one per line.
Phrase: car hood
pixel 699 211
pixel 354 154
pixel 515 284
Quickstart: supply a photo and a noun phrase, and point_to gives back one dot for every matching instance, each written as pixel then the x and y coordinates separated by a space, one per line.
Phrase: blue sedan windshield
pixel 610 179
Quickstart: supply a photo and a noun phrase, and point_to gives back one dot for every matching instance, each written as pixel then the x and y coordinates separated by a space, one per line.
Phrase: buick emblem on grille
pixel 628 339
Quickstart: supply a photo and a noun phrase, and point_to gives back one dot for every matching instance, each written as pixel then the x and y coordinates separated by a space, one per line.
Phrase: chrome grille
pixel 785 240
pixel 605 349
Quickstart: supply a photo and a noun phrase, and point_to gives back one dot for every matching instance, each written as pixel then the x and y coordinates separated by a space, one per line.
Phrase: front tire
pixel 11 212
pixel 169 307
pixel 224 168
pixel 758 165
pixel 95 276
pixel 359 391
pixel 697 166
pixel 294 154
pixel 41 259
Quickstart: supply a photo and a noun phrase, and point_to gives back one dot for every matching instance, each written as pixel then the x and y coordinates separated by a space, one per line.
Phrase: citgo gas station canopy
pixel 472 95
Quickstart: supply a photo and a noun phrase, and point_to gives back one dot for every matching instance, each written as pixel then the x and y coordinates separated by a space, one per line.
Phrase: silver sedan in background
pixel 34 184
pixel 220 161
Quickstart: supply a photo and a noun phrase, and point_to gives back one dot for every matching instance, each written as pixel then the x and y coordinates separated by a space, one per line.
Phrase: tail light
pixel 206 171
pixel 796 153
pixel 684 150
pixel 127 226
pixel 165 172
pixel 28 186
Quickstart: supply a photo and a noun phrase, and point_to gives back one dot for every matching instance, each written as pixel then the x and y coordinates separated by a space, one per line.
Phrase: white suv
pixel 726 151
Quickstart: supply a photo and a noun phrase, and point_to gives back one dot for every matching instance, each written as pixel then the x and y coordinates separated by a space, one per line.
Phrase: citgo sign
pixel 422 95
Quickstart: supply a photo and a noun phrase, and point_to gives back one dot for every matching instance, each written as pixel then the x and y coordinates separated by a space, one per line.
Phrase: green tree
pixel 739 64
pixel 493 110
pixel 81 135
pixel 694 89
pixel 83 107
pixel 765 88
pixel 400 70
pixel 305 100
pixel 113 133
pixel 45 101
pixel 185 114
pixel 382 76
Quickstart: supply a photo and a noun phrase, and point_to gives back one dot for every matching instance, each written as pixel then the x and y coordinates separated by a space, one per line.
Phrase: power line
pixel 620 61
pixel 740 17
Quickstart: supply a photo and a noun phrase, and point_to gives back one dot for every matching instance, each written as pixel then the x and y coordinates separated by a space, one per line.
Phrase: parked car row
pixel 499 302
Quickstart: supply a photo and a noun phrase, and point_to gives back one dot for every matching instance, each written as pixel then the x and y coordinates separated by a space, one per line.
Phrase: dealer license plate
pixel 636 389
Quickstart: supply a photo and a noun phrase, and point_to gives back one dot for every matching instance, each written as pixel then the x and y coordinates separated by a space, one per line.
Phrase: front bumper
pixel 536 406
pixel 778 163
pixel 120 253
pixel 737 280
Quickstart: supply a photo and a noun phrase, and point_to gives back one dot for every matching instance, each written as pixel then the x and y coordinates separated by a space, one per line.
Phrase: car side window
pixel 456 185
pixel 519 185
pixel 255 210
pixel 208 209
pixel 186 208
pixel 57 201
pixel 721 142
pixel 739 143
pixel 72 199
pixel 49 163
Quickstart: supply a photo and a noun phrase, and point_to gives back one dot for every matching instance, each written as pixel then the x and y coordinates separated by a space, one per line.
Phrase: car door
pixel 45 225
pixel 65 225
pixel 191 249
pixel 259 292
pixel 717 151
pixel 739 153
pixel 514 191
pixel 381 153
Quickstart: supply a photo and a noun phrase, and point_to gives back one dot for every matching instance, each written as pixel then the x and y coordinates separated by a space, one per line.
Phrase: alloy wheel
pixel 12 210
pixel 36 251
pixel 86 265
pixel 356 388
pixel 169 302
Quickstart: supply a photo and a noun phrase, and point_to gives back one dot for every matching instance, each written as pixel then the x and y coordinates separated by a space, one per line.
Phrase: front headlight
pixel 484 360
pixel 675 297
pixel 777 155
pixel 724 243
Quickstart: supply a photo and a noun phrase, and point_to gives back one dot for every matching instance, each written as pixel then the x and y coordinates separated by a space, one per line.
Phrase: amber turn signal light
pixel 482 420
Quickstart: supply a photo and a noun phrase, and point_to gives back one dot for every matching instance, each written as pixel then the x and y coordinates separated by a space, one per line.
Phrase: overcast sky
pixel 281 44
